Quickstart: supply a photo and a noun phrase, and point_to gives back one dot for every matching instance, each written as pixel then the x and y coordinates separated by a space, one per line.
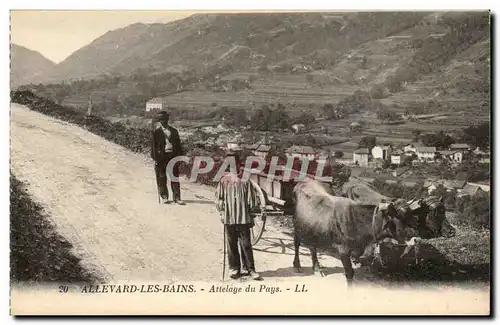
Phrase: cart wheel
pixel 259 221
pixel 258 229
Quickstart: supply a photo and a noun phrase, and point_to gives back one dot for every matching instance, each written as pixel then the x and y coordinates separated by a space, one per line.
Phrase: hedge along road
pixel 102 198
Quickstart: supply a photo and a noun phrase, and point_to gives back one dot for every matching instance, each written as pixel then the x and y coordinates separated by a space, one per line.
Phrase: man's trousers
pixel 161 178
pixel 239 235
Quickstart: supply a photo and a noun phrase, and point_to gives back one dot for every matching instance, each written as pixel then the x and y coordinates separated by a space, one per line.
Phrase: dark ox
pixel 322 220
pixel 427 217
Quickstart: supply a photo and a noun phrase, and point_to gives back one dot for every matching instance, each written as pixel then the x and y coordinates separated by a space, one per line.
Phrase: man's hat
pixel 161 116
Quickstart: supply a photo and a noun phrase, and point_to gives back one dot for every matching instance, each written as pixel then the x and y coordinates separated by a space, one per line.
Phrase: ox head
pixel 409 211
pixel 427 217
pixel 386 222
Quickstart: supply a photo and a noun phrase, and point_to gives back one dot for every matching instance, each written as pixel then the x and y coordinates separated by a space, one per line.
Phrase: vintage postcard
pixel 250 163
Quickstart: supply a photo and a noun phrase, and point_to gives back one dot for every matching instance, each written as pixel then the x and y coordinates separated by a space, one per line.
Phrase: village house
pixel 449 185
pixel 457 156
pixel 482 186
pixel 156 104
pixel 451 155
pixel 397 157
pixel 355 126
pixel 261 148
pixel 426 153
pixel 297 128
pixel 301 152
pixel 252 147
pixel 463 147
pixel 382 152
pixel 361 156
pixel 469 189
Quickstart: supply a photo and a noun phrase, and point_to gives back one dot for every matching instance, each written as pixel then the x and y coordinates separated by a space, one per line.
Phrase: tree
pixel 359 100
pixel 310 140
pixel 416 135
pixel 239 117
pixel 385 115
pixel 61 93
pixel 476 210
pixel 328 112
pixel 475 171
pixel 439 140
pixel 280 118
pixel 364 62
pixel 263 67
pixel 265 119
pixel 440 190
pixel 477 136
pixel 338 154
pixel 258 121
pixel 368 142
pixel 305 118
pixel 393 84
pixel 377 92
pixel 408 160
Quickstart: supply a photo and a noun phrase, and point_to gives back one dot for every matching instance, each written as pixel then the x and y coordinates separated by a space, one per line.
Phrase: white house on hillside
pixel 382 152
pixel 426 153
pixel 452 155
pixel 156 104
pixel 460 146
pixel 360 156
pixel 298 128
pixel 301 152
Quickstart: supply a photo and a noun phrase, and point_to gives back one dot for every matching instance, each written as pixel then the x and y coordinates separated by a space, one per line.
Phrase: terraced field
pixel 281 88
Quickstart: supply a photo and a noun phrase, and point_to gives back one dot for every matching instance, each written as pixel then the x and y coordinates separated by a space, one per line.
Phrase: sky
pixel 57 34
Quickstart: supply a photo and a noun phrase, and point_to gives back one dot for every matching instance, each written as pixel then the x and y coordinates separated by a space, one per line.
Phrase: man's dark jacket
pixel 158 144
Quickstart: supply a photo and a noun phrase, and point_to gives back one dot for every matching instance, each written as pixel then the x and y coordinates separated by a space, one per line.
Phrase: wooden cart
pixel 277 193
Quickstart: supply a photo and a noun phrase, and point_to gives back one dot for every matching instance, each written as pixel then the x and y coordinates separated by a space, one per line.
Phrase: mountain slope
pixel 243 40
pixel 27 65
pixel 413 63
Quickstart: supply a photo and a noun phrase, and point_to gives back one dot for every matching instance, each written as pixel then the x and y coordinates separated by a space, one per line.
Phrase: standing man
pixel 166 145
pixel 235 200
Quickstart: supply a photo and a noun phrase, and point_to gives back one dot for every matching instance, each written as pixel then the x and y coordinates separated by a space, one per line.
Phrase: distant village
pixel 368 164
pixel 390 163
